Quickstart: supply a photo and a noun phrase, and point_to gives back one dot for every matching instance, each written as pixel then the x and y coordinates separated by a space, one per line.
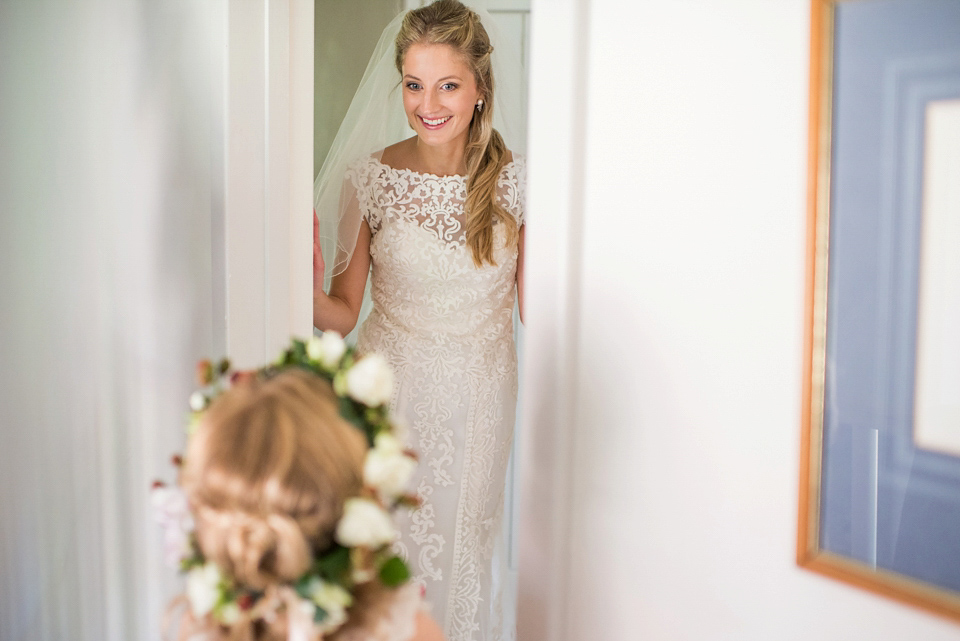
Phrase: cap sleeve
pixel 360 192
pixel 341 212
pixel 512 187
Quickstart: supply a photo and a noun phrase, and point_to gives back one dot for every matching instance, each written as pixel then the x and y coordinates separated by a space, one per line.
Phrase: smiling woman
pixel 440 96
pixel 435 221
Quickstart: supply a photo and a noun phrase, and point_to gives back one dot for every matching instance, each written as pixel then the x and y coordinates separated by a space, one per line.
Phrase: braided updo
pixel 267 473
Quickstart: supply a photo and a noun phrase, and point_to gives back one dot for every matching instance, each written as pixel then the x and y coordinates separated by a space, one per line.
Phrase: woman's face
pixel 439 94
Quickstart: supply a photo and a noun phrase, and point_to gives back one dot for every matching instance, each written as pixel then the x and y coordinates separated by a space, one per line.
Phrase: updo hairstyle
pixel 266 474
pixel 448 22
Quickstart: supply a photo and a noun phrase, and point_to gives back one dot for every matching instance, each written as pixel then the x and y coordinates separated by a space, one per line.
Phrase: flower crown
pixel 361 549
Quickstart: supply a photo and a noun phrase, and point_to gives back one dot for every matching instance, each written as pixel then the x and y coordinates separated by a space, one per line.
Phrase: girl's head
pixel 280 543
pixel 447 44
pixel 267 473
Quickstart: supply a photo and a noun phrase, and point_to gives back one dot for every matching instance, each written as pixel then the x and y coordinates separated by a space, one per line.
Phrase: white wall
pixel 667 509
pixel 267 177
pixel 155 189
pixel 106 289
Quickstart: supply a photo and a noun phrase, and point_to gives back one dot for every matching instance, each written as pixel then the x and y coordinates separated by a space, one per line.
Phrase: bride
pixel 436 220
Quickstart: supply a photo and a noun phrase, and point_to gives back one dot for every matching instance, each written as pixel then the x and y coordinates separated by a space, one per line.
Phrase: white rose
pixel 333 599
pixel 169 504
pixel 198 401
pixel 387 443
pixel 364 523
pixel 327 349
pixel 370 381
pixel 229 613
pixel 203 588
pixel 172 512
pixel 386 468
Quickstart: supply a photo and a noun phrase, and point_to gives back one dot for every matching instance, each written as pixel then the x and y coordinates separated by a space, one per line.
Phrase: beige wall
pixel 346 33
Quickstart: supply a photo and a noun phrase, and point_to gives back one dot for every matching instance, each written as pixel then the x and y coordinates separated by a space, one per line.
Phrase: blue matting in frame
pixel 884 501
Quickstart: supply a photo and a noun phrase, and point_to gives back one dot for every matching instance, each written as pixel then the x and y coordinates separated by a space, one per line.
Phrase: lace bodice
pixel 446 328
pixel 423 278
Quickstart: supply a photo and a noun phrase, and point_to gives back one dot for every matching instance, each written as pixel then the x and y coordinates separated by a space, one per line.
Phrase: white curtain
pixel 108 122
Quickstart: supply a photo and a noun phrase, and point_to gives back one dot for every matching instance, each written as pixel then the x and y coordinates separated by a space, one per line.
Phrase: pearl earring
pixel 480 105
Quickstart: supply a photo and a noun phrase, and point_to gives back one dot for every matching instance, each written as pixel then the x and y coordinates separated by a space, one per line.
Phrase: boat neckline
pixel 429 175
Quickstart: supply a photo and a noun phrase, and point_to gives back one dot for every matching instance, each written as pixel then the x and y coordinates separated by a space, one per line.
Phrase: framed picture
pixel 880 468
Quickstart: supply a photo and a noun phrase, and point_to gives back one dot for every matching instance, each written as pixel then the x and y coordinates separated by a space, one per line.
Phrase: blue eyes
pixel 447 86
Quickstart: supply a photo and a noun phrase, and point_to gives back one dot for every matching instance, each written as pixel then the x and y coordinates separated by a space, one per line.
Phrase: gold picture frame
pixel 811 554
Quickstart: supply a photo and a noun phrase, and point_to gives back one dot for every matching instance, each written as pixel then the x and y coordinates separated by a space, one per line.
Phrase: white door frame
pixel 556 151
pixel 267 177
pixel 267 192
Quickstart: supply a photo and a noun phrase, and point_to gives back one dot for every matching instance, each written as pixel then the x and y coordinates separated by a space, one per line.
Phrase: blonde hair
pixel 449 22
pixel 266 474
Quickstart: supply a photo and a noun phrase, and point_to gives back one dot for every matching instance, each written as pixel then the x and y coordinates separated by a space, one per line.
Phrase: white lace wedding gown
pixel 446 328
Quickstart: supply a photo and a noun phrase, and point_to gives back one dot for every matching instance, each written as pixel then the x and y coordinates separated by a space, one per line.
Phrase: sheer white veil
pixel 376 120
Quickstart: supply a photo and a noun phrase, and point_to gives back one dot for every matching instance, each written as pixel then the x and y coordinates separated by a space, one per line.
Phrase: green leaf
pixel 194 560
pixel 299 348
pixel 394 572
pixel 334 566
pixel 226 594
pixel 302 586
pixel 348 410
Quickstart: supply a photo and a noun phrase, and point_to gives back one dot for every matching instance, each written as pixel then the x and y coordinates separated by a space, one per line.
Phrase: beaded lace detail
pixel 446 327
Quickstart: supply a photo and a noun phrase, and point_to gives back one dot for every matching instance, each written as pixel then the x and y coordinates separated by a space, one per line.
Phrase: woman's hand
pixel 319 267
pixel 340 309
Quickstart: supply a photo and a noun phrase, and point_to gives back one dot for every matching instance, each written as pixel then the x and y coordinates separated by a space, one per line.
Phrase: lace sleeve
pixel 512 186
pixel 339 223
pixel 361 185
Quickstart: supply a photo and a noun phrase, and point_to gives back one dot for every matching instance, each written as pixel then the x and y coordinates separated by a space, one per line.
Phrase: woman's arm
pixel 340 309
pixel 520 271
pixel 427 628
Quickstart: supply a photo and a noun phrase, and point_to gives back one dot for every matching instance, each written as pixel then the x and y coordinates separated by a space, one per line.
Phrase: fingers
pixel 318 265
pixel 317 245
pixel 317 257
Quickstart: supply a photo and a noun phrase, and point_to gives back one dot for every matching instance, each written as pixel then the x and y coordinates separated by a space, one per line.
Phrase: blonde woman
pixel 436 220
pixel 266 476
